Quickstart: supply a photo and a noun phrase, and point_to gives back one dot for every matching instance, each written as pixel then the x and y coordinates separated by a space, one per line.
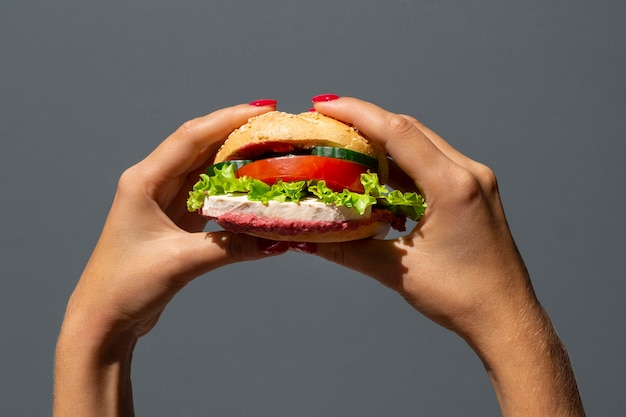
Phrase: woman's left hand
pixel 151 246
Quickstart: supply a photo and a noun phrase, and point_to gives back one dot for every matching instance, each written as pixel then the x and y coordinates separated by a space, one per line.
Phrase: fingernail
pixel 324 97
pixel 304 247
pixel 264 102
pixel 272 247
pixel 312 109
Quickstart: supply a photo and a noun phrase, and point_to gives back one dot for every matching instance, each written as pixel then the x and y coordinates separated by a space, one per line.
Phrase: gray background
pixel 535 89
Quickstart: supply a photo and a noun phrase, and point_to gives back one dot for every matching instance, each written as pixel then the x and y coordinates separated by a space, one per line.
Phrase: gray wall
pixel 535 89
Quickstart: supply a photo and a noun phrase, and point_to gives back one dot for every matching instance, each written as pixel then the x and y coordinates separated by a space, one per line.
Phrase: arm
pixel 149 249
pixel 460 266
pixel 530 369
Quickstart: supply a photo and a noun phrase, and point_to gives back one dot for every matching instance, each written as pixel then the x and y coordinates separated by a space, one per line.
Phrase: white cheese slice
pixel 307 209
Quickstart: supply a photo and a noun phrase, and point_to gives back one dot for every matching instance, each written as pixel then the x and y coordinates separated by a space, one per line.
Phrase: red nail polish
pixel 272 247
pixel 264 102
pixel 312 109
pixel 324 97
pixel 304 247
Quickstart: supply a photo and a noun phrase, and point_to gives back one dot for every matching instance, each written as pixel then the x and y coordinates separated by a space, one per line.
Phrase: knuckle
pixel 129 180
pixel 398 125
pixel 467 185
pixel 487 178
pixel 411 119
pixel 477 183
pixel 187 127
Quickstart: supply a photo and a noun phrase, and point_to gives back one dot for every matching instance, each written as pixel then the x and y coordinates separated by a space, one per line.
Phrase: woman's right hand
pixel 460 266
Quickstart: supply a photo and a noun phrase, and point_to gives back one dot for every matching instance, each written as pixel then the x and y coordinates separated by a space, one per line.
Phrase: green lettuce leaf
pixel 224 181
pixel 410 205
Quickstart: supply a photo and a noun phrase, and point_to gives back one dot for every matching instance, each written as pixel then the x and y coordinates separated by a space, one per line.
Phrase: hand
pixel 149 249
pixel 459 266
pixel 151 246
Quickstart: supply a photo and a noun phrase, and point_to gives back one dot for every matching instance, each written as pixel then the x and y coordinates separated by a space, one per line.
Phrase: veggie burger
pixel 302 177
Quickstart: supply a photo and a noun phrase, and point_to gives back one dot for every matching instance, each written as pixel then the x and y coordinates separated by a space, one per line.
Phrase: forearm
pixel 92 375
pixel 530 369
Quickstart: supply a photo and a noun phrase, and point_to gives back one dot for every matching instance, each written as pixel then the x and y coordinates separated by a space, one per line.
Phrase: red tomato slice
pixel 338 174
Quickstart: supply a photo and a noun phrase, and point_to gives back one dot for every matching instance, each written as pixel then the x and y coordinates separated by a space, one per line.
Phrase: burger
pixel 302 177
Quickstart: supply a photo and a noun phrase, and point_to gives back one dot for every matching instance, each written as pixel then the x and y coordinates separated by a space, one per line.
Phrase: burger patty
pixel 244 223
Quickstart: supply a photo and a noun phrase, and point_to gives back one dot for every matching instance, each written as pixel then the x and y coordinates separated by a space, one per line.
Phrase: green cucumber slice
pixel 238 163
pixel 346 154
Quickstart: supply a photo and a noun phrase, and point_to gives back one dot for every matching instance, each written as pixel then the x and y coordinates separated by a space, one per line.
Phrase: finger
pixel 409 147
pixel 445 147
pixel 482 173
pixel 177 211
pixel 180 152
pixel 379 259
pixel 400 180
pixel 164 171
pixel 176 208
pixel 198 253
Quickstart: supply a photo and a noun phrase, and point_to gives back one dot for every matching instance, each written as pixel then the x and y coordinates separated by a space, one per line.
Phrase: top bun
pixel 302 131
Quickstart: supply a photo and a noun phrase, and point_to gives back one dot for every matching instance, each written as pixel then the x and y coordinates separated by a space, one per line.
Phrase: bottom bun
pixel 308 231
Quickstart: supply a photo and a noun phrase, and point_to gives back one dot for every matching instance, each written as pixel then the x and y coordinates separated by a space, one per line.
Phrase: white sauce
pixel 307 209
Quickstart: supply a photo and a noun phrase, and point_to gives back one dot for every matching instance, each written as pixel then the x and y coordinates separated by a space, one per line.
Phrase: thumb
pixel 379 259
pixel 202 252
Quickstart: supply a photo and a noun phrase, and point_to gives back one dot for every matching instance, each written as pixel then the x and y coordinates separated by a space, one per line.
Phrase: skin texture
pixel 459 266
pixel 149 249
